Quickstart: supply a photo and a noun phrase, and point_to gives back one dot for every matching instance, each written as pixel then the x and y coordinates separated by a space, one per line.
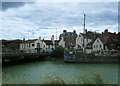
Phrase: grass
pixel 56 79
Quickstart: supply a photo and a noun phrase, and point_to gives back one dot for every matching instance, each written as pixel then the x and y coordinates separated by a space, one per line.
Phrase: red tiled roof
pixel 105 39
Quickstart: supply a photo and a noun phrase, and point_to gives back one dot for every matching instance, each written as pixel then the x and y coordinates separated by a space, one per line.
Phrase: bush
pixel 58 52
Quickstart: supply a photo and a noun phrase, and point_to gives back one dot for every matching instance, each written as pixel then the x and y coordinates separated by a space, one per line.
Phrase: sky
pixel 33 19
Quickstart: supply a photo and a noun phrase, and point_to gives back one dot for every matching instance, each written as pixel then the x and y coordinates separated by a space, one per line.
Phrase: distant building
pixel 88 48
pixel 68 39
pixel 85 38
pixel 10 46
pixel 37 45
pixel 107 41
pixel 62 42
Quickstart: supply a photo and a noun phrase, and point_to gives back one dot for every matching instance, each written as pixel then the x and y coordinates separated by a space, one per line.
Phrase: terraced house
pixel 107 41
pixel 37 45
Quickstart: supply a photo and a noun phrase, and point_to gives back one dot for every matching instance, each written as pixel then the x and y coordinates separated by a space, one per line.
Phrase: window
pixel 94 46
pixel 38 45
pixel 87 40
pixel 29 45
pixel 49 46
pixel 100 46
pixel 32 45
pixel 97 41
pixel 43 46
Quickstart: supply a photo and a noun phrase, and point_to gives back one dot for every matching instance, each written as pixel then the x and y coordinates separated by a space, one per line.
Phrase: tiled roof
pixel 48 42
pixel 17 40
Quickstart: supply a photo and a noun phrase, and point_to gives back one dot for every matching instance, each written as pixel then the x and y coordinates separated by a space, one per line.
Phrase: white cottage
pixel 99 44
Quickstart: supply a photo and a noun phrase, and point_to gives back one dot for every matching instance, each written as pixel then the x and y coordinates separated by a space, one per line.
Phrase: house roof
pixel 105 39
pixel 8 41
pixel 90 43
pixel 31 40
pixel 90 35
pixel 48 42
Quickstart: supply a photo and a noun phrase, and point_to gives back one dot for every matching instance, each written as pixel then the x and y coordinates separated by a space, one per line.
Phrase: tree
pixel 58 52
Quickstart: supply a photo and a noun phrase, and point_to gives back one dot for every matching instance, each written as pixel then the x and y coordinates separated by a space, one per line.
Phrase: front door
pixel 38 47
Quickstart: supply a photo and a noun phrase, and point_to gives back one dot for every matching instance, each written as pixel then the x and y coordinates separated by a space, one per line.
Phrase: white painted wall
pixel 88 50
pixel 62 42
pixel 97 44
pixel 79 41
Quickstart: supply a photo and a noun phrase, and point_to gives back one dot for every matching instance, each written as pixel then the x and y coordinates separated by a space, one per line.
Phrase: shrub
pixel 58 52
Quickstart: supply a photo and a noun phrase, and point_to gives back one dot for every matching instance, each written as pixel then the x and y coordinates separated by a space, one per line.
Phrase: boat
pixel 69 56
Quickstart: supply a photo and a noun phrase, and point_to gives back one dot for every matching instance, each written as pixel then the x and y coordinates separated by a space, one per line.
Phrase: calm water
pixel 36 72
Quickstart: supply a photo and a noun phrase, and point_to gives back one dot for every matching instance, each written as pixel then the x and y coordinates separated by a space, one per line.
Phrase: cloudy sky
pixel 31 20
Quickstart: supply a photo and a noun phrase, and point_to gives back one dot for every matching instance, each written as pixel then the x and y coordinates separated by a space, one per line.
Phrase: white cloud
pixel 64 15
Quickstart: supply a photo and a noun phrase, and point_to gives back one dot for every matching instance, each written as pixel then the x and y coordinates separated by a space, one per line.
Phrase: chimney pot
pixel 64 31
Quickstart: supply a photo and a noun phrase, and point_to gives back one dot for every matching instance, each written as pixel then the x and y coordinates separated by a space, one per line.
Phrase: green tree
pixel 58 52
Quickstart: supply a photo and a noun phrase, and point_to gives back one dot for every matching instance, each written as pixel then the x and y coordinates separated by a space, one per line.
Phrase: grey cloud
pixel 60 15
pixel 7 5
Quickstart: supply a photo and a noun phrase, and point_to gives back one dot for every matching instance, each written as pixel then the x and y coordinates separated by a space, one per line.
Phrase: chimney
pixel 39 37
pixel 23 39
pixel 53 39
pixel 64 31
pixel 74 31
pixel 106 31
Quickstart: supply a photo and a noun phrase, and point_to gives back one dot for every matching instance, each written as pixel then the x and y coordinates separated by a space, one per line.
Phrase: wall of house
pixel 79 41
pixel 88 50
pixel 29 46
pixel 62 42
pixel 97 45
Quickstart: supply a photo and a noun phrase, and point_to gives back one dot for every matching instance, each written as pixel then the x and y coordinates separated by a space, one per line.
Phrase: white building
pixel 82 40
pixel 37 45
pixel 62 42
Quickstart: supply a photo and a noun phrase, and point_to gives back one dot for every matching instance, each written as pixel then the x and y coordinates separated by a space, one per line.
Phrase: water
pixel 36 72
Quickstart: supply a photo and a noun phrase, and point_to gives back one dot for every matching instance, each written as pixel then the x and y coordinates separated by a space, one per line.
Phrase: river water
pixel 36 72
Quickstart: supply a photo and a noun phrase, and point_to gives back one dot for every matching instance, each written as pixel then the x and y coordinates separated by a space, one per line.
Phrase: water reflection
pixel 36 72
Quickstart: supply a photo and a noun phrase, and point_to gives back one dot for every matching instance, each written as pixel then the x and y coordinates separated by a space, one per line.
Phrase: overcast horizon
pixel 31 20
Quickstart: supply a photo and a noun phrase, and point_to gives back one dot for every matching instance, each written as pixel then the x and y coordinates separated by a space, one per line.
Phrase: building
pixel 68 39
pixel 107 41
pixel 62 42
pixel 85 38
pixel 10 46
pixel 37 45
pixel 88 48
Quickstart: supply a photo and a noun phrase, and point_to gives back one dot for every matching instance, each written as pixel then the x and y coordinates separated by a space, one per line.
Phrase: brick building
pixel 69 39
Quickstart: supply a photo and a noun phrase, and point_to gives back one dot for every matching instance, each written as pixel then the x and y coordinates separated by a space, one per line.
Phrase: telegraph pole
pixel 84 33
pixel 84 24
